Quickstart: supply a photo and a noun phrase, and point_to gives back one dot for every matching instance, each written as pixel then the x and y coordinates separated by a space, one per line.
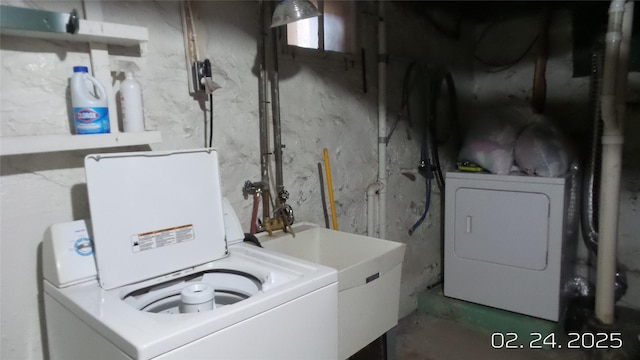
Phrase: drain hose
pixel 430 166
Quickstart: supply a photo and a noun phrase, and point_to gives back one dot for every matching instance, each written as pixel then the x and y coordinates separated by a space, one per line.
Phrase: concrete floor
pixel 422 336
pixel 426 337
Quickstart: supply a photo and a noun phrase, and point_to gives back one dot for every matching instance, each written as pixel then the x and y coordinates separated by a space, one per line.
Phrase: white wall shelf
pixel 98 34
pixel 92 31
pixel 50 143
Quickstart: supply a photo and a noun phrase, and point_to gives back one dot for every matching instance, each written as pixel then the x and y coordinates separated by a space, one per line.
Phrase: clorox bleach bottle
pixel 90 113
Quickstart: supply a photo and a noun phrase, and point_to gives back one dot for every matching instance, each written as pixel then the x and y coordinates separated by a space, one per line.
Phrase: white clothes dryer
pixel 507 242
pixel 171 278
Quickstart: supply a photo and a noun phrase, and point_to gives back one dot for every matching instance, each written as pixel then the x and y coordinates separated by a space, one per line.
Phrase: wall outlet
pixel 200 70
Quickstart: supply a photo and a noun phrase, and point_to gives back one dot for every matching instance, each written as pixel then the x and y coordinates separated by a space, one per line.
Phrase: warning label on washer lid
pixel 157 239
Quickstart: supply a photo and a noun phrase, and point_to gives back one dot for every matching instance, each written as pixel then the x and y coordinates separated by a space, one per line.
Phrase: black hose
pixel 252 239
pixel 425 169
pixel 591 180
pixel 436 85
pixel 426 209
pixel 210 120
pixel 430 166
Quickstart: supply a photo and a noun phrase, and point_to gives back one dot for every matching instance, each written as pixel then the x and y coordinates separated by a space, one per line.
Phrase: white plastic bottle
pixel 90 113
pixel 131 100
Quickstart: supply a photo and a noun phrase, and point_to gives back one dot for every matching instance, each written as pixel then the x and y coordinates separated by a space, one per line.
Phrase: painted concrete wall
pixel 323 105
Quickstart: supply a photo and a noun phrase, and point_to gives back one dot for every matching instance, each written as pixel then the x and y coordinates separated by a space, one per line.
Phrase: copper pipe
pixel 539 76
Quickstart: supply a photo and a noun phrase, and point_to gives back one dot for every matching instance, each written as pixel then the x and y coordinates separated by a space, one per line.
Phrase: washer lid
pixel 154 213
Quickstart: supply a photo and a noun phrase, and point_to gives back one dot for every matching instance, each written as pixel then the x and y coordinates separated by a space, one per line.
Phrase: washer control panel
pixel 67 254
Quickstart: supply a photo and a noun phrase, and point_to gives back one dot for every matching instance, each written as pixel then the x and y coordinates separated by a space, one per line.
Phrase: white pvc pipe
pixel 608 227
pixel 612 51
pixel 613 88
pixel 382 122
pixel 623 62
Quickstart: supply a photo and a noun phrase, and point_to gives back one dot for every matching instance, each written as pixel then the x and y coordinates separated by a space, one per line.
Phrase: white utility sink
pixel 368 278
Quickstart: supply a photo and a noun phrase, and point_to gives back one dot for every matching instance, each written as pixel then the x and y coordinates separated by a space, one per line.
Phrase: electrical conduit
pixel 612 99
pixel 372 192
pixel 381 184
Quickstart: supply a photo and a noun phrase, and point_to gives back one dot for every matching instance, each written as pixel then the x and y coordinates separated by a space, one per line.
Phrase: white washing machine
pixel 172 278
pixel 506 242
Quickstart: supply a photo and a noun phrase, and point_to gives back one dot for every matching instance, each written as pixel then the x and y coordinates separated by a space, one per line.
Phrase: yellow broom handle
pixel 327 167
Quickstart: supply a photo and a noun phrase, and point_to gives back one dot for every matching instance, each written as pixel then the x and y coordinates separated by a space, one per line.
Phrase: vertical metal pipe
pixel 275 113
pixel 382 121
pixel 254 212
pixel 539 76
pixel 321 25
pixel 262 106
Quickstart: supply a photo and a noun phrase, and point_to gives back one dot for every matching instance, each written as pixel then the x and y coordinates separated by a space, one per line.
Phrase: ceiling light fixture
pixel 288 11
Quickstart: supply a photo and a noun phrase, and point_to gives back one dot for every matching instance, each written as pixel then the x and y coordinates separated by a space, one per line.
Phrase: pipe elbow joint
pixel 613 139
pixel 617 6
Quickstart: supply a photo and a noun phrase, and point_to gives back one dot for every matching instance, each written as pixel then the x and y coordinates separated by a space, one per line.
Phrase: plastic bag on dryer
pixel 541 150
pixel 489 143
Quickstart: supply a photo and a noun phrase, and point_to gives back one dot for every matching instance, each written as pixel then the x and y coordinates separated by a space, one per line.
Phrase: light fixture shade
pixel 288 11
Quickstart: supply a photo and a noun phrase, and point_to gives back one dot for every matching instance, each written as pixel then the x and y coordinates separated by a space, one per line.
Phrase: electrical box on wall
pixel 200 71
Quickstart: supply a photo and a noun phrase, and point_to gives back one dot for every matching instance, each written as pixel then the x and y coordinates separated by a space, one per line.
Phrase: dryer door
pixel 502 227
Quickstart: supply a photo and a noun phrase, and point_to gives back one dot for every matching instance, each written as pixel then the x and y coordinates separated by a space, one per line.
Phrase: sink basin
pixel 369 272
